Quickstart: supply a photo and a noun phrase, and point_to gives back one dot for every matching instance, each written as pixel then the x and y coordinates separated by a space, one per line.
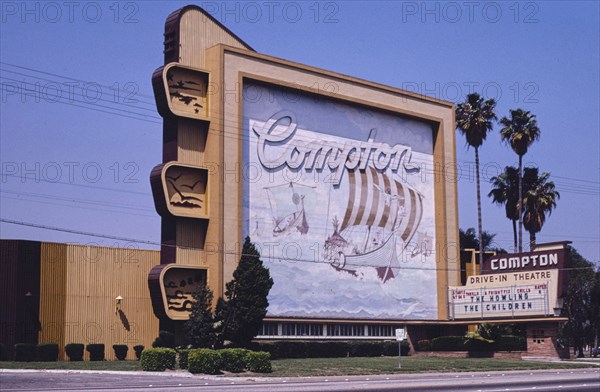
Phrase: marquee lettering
pixel 508 263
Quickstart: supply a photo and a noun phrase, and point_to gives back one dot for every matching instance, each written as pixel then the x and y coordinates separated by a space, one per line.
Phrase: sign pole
pixel 399 354
pixel 400 335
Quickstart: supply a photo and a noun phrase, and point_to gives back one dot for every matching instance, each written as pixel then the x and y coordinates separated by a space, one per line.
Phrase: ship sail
pixel 375 200
pixel 288 212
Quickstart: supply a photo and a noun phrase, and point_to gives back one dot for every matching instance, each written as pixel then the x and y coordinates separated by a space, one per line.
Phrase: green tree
pixel 468 239
pixel 474 120
pixel 199 329
pixel 245 303
pixel 505 192
pixel 520 131
pixel 539 199
pixel 579 302
pixel 595 307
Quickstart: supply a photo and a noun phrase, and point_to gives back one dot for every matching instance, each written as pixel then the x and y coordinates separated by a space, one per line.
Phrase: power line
pixel 570 188
pixel 65 77
pixel 220 251
pixel 38 179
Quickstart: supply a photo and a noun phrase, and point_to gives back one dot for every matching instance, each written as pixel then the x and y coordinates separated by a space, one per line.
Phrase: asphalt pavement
pixel 542 380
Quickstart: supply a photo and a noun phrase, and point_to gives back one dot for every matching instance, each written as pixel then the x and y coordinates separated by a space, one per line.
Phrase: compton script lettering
pixel 277 147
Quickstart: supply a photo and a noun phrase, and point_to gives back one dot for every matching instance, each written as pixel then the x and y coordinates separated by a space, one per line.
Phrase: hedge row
pixel 48 352
pixel 207 361
pixel 26 352
pixel 460 343
pixel 333 349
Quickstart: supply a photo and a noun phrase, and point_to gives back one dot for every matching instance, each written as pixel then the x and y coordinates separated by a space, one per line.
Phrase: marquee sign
pixel 505 295
pixel 555 259
pixel 513 285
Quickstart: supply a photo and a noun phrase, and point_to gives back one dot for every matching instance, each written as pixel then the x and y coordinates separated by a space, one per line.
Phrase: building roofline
pixel 335 75
pixel 181 11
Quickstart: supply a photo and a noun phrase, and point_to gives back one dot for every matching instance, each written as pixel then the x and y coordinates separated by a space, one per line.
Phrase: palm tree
pixel 474 120
pixel 520 131
pixel 505 192
pixel 540 198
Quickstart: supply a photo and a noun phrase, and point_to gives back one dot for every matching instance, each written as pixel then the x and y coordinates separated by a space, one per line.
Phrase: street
pixel 545 380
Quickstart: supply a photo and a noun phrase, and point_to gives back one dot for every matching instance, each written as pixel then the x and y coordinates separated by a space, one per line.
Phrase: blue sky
pixel 79 131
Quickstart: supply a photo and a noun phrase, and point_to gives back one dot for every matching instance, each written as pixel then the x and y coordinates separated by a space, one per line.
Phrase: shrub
pixel 204 360
pixel 96 351
pixel 233 359
pixel 326 349
pixel 490 331
pixel 479 344
pixel 290 349
pixel 183 358
pixel 138 351
pixel 365 349
pixel 120 351
pixel 423 345
pixel 74 351
pixel 271 347
pixel 511 343
pixel 164 339
pixel 158 359
pixel 448 343
pixel 258 362
pixel 47 352
pixel 24 352
pixel 390 348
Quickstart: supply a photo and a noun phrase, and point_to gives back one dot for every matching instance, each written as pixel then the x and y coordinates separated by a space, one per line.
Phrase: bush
pixel 138 351
pixel 164 339
pixel 258 362
pixel 479 344
pixel 24 352
pixel 448 343
pixel 96 351
pixel 158 359
pixel 233 359
pixel 204 360
pixel 47 352
pixel 390 348
pixel 183 358
pixel 365 349
pixel 120 351
pixel 74 351
pixel 271 347
pixel 511 343
pixel 316 349
pixel 423 345
pixel 290 349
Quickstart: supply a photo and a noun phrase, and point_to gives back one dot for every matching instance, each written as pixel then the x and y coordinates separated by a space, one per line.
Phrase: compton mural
pixel 340 200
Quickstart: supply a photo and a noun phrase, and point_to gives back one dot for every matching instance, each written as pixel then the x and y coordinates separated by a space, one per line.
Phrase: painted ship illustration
pixel 289 215
pixel 387 212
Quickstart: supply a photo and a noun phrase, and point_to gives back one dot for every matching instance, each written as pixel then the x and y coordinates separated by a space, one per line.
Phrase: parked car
pixel 596 352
